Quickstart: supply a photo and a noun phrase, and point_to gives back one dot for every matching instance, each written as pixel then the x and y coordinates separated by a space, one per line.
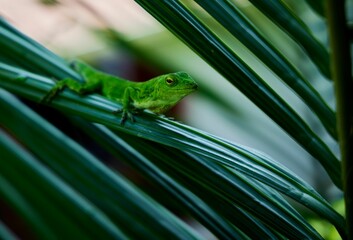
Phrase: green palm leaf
pixel 118 200
pixel 281 15
pixel 318 6
pixel 185 138
pixel 236 23
pixel 218 55
pixel 234 191
pixel 5 232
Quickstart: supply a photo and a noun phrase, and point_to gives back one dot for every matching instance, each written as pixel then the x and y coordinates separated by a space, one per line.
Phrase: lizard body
pixel 158 94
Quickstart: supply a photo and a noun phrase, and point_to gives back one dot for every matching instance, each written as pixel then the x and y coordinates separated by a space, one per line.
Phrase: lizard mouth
pixel 192 87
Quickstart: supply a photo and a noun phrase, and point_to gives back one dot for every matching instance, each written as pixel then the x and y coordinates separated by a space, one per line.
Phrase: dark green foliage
pixel 60 189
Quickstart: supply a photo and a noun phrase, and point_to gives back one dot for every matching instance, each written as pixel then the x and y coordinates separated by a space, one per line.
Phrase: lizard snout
pixel 195 86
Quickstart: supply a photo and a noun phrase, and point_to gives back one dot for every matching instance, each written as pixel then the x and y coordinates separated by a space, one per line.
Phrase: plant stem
pixel 342 76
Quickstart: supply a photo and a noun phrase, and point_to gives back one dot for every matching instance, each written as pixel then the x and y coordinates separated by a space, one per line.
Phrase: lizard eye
pixel 169 81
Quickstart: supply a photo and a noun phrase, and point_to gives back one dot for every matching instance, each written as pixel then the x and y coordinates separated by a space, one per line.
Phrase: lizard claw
pixel 73 64
pixel 126 115
pixel 49 96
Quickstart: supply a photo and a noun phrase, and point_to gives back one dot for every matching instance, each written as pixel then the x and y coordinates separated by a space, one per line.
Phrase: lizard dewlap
pixel 158 94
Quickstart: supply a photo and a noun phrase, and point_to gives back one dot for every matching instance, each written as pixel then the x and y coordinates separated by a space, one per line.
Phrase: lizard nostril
pixel 73 64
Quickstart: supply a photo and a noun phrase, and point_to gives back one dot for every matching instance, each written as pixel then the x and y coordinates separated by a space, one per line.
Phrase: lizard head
pixel 169 89
pixel 179 83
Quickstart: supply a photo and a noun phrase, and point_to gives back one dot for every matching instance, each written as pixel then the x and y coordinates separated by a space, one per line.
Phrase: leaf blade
pixel 241 28
pixel 111 194
pixel 297 29
pixel 218 55
pixel 174 134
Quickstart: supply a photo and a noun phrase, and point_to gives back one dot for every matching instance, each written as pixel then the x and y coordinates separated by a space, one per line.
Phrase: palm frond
pixel 204 42
pixel 234 191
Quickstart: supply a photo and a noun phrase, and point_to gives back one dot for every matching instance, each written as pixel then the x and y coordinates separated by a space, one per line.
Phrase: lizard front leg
pixel 128 109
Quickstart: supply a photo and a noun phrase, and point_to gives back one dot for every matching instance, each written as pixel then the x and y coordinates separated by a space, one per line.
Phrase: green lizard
pixel 158 94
